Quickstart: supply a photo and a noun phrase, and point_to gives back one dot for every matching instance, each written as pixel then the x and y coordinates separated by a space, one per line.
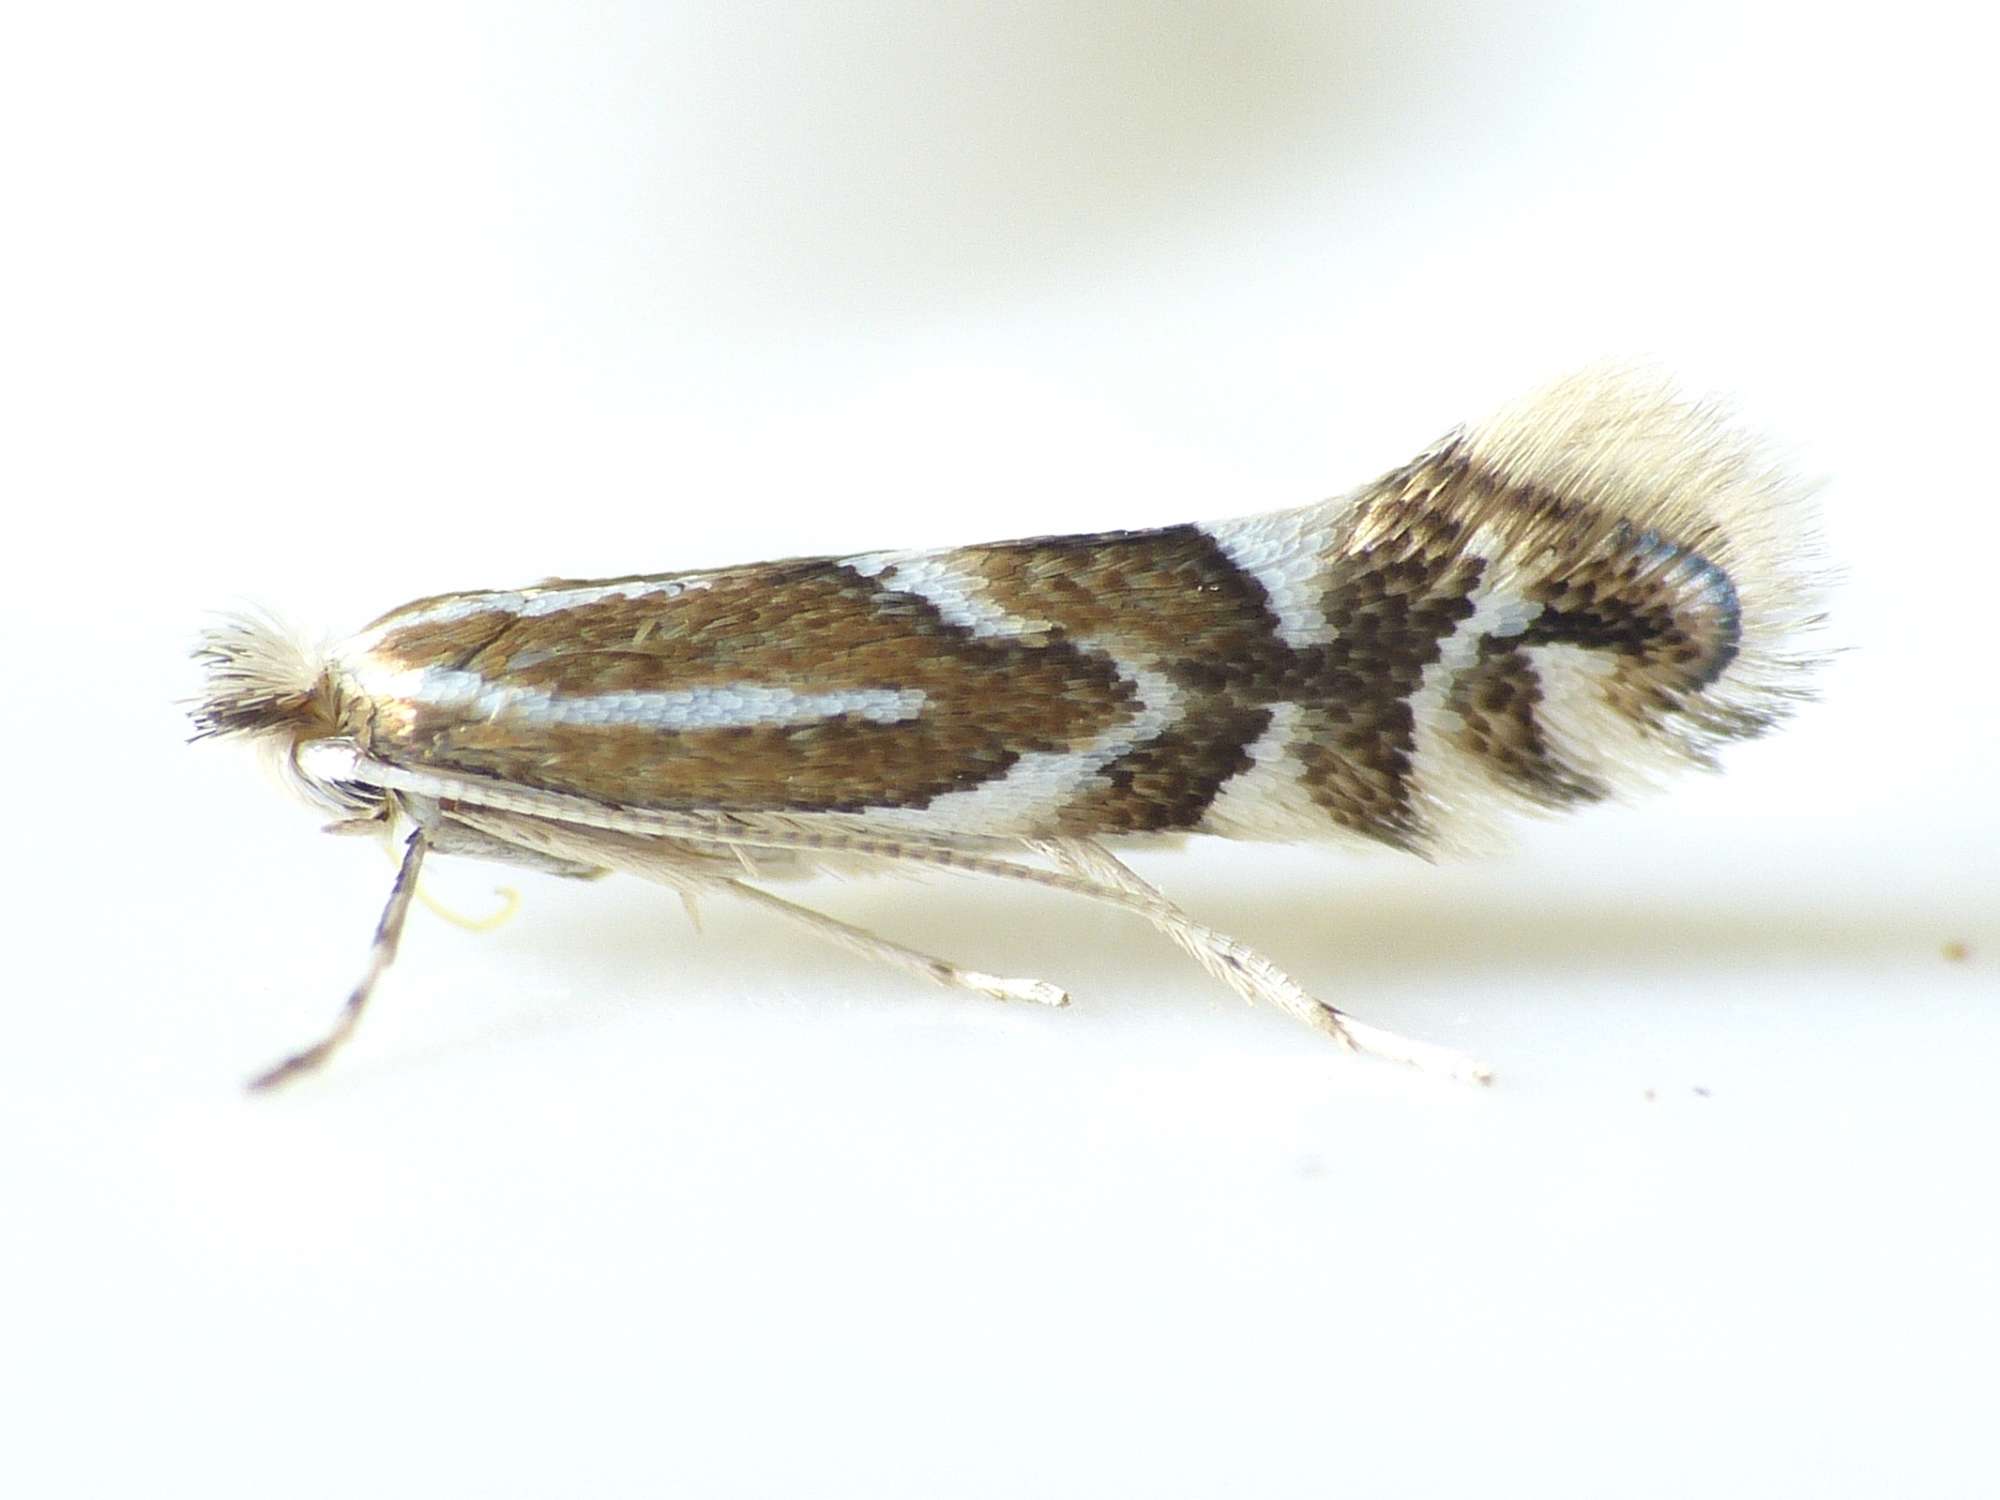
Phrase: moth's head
pixel 270 685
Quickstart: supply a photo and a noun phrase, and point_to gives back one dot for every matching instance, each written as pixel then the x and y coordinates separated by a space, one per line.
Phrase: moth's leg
pixel 1086 869
pixel 1248 972
pixel 449 835
pixel 1236 964
pixel 388 931
pixel 694 873
pixel 909 960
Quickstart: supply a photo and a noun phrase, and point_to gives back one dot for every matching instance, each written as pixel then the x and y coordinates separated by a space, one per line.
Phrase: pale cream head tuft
pixel 260 678
pixel 269 684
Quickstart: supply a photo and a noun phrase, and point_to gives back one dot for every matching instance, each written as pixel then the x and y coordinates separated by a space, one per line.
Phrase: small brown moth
pixel 1538 612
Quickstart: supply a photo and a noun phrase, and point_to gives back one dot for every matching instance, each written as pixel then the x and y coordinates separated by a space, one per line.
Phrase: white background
pixel 334 306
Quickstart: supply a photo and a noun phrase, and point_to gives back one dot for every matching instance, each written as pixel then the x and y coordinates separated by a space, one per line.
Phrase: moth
pixel 1598 585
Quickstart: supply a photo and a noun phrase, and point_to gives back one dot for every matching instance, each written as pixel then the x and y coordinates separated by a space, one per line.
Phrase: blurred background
pixel 333 308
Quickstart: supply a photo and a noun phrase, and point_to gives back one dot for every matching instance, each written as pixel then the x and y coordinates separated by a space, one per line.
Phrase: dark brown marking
pixel 1668 615
pixel 1172 602
pixel 1167 601
pixel 1167 783
pixel 447 643
pixel 1391 604
pixel 1162 597
pixel 813 626
pixel 1662 613
pixel 1495 700
pixel 1397 582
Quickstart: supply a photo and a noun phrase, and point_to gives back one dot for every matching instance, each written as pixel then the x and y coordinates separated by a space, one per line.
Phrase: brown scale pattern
pixel 814 626
pixel 1163 596
pixel 1172 602
pixel 1496 699
pixel 1167 783
pixel 1397 584
pixel 1392 605
pixel 1666 617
